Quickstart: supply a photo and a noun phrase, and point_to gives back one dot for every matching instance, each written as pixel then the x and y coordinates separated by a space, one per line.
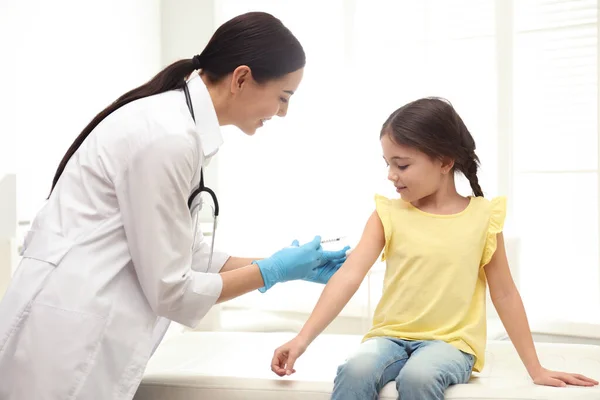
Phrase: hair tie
pixel 197 62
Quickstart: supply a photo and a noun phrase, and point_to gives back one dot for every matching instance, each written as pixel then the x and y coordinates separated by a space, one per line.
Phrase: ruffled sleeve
pixel 496 225
pixel 382 205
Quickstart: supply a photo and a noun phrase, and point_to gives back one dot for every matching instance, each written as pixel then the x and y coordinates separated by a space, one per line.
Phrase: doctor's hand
pixel 332 261
pixel 290 263
pixel 285 356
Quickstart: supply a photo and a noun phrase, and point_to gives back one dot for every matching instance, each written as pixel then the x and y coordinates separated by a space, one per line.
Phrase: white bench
pixel 228 366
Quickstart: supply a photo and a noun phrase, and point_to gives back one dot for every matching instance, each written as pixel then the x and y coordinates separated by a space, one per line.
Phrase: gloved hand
pixel 290 263
pixel 332 261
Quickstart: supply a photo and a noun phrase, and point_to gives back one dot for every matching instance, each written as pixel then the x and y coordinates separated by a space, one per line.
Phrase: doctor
pixel 114 248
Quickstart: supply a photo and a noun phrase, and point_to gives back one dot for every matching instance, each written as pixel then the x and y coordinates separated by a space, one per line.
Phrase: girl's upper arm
pixel 497 271
pixel 368 249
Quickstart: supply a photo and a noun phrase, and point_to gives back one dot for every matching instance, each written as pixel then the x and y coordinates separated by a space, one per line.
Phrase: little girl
pixel 429 328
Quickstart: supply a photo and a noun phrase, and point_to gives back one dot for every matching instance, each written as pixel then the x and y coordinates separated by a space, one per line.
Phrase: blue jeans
pixel 423 370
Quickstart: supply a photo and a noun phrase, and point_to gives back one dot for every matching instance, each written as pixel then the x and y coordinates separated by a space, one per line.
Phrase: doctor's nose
pixel 282 112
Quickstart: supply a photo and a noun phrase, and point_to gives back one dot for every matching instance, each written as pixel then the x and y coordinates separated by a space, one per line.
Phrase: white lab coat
pixel 110 253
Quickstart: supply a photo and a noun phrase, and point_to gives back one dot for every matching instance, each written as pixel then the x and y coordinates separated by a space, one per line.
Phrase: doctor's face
pixel 254 104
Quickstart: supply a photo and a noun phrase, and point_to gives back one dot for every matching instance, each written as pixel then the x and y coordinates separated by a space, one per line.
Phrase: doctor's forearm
pixel 234 263
pixel 240 281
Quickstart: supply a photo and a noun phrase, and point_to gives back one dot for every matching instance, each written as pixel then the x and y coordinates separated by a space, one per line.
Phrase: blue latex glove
pixel 332 261
pixel 290 263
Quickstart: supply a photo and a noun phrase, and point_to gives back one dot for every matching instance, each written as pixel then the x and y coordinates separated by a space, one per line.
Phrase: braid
pixel 470 172
pixel 470 161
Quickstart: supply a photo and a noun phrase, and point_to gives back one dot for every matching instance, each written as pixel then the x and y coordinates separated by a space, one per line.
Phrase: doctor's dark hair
pixel 255 39
pixel 432 126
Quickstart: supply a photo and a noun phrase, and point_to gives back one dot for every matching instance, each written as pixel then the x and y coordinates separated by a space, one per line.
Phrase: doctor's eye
pixel 402 167
pixel 283 100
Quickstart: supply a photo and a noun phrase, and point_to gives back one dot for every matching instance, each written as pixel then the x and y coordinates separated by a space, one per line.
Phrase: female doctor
pixel 115 248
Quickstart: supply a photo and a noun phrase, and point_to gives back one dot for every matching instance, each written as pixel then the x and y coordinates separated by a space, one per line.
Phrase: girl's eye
pixel 402 167
pixel 283 99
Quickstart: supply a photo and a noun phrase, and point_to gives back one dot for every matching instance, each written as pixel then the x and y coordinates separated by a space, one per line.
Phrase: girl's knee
pixel 376 362
pixel 419 378
pixel 358 368
pixel 421 384
pixel 356 379
pixel 371 359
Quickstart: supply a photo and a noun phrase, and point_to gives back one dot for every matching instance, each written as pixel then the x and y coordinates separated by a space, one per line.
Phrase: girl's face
pixel 253 104
pixel 414 174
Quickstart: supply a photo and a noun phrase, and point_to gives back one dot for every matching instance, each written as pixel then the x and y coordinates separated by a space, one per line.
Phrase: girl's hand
pixel 286 355
pixel 561 379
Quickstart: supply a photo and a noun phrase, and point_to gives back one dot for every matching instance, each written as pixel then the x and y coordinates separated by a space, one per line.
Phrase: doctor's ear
pixel 240 77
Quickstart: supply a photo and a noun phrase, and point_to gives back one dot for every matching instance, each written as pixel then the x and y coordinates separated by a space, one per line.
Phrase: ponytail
pixel 170 78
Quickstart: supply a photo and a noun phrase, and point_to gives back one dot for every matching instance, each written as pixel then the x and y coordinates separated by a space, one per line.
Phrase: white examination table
pixel 228 366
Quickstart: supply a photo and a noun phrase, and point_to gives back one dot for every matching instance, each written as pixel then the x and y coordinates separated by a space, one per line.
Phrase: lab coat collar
pixel 207 123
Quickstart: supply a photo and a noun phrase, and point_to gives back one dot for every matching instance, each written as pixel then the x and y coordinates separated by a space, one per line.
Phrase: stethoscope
pixel 201 188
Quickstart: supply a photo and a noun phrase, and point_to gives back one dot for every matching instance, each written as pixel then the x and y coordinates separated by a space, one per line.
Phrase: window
pixel 522 74
pixel 556 155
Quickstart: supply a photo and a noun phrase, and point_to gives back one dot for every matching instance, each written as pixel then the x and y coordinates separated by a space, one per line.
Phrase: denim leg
pixel 376 362
pixel 431 369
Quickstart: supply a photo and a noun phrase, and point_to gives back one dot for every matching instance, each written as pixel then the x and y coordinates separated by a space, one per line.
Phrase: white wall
pixel 63 61
pixel 8 88
pixel 186 27
pixel 8 228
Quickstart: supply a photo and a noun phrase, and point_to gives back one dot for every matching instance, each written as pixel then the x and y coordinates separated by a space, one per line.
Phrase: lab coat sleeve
pixel 152 194
pixel 201 255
